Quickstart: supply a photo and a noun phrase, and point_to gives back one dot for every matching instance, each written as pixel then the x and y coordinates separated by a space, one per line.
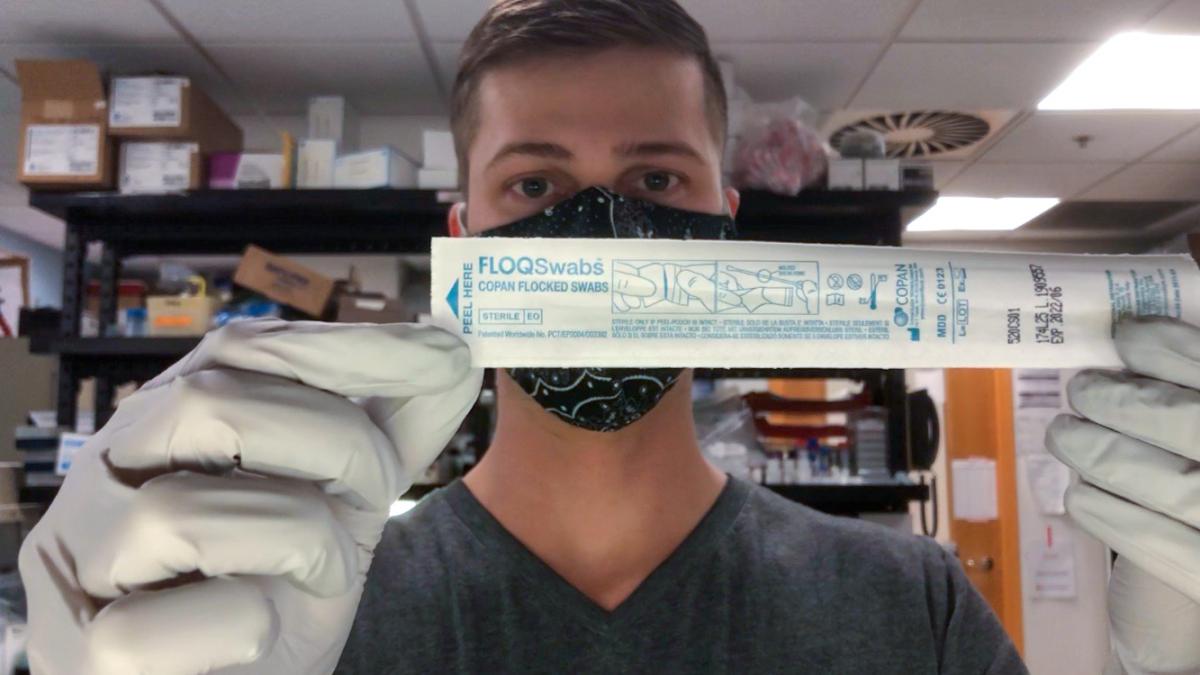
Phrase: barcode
pixel 165 116
pixel 173 180
pixel 81 167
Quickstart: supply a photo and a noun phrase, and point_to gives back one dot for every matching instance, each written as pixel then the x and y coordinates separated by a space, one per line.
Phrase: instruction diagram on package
pixel 716 287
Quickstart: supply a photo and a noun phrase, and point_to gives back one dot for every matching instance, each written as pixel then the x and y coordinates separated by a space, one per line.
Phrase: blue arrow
pixel 452 298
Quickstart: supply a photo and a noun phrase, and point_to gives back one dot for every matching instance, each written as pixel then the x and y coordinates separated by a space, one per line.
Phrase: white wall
pixel 1062 637
pixel 45 267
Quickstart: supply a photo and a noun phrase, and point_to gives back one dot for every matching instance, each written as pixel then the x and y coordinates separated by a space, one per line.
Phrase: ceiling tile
pixel 969 76
pixel 450 20
pixel 824 75
pixel 294 21
pixel 379 78
pixel 176 58
pixel 1115 137
pixel 1185 149
pixel 789 20
pixel 1025 19
pixel 1009 179
pixel 1150 181
pixel 1105 219
pixel 1181 16
pixel 944 172
pixel 447 60
pixel 82 21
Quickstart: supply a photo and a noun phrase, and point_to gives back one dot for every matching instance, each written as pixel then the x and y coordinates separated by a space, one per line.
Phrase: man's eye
pixel 533 188
pixel 658 181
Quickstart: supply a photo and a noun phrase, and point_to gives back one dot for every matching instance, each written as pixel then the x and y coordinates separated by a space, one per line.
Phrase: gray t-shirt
pixel 762 585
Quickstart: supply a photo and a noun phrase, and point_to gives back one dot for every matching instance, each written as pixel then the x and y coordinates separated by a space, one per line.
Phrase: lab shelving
pixel 398 222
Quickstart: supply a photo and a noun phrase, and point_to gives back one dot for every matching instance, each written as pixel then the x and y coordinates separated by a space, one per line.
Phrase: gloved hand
pixel 225 518
pixel 1138 456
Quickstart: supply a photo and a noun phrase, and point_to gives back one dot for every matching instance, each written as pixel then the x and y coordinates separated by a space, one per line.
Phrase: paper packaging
pixel 175 315
pixel 378 168
pixel 846 174
pixel 170 108
pixel 314 163
pixel 247 171
pixel 333 118
pixel 159 166
pixel 284 281
pixel 881 174
pixel 356 309
pixel 64 144
pixel 661 302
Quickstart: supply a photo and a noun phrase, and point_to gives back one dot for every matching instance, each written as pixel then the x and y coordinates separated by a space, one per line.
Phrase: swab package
pixel 717 304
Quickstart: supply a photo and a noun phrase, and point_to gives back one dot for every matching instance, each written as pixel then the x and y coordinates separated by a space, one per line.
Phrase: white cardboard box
pixel 333 118
pixel 314 163
pixel 846 174
pixel 381 167
pixel 439 150
pixel 157 166
pixel 146 102
pixel 882 174
pixel 437 179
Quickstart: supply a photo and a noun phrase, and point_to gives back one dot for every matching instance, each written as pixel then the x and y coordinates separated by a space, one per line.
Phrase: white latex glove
pixel 228 512
pixel 1138 456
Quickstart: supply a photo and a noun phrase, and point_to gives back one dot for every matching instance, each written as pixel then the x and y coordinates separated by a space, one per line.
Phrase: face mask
pixel 607 399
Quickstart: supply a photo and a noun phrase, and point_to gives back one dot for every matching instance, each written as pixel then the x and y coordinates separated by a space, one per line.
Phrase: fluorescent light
pixel 1133 71
pixel 400 506
pixel 981 213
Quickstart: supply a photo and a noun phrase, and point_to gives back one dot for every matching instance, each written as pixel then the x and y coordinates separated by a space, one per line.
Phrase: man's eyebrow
pixel 651 148
pixel 532 149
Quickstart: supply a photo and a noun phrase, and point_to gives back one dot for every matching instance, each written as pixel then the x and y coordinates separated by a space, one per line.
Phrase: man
pixel 227 516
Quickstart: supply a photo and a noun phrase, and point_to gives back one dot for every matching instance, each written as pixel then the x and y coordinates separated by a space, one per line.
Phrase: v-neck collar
pixel 552 587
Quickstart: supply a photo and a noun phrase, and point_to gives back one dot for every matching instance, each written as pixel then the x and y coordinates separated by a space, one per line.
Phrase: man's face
pixel 629 119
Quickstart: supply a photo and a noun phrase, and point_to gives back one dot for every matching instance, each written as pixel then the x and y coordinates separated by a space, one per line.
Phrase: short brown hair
pixel 515 29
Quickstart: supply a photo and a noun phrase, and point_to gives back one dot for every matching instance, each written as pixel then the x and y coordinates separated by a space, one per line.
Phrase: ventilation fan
pixel 922 134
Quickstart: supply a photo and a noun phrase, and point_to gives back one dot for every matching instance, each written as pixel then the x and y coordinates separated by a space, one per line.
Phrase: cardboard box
pixel 846 174
pixel 437 179
pixel 438 149
pixel 916 175
pixel 64 141
pixel 881 174
pixel 333 118
pixel 360 309
pixel 170 108
pixel 247 171
pixel 314 163
pixel 379 168
pixel 178 315
pixel 159 166
pixel 284 281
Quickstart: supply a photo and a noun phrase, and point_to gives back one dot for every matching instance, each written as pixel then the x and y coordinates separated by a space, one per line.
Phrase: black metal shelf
pixel 224 221
pixel 402 221
pixel 850 498
pixel 379 221
pixel 163 347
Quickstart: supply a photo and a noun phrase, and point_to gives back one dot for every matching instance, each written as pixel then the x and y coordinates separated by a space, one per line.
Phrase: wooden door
pixel 979 424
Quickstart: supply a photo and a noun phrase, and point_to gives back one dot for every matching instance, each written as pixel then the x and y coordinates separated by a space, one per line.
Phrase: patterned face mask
pixel 606 399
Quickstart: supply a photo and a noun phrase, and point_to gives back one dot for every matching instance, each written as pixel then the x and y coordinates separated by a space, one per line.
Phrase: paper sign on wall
pixel 1054 565
pixel 1048 480
pixel 974 489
